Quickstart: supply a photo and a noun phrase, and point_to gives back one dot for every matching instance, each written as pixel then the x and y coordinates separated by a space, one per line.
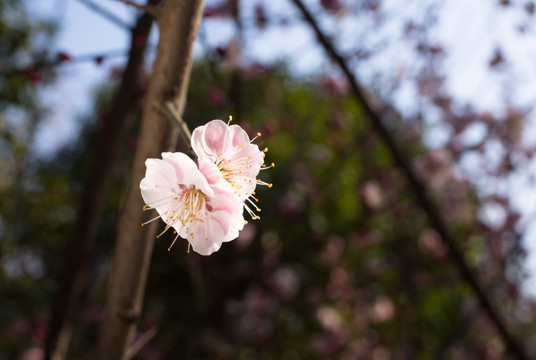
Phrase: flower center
pixel 191 206
pixel 226 172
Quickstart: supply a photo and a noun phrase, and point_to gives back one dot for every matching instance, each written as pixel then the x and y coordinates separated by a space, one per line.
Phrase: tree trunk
pixel 178 23
pixel 81 246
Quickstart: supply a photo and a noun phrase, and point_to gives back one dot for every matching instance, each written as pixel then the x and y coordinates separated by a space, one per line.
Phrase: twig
pixel 106 14
pixel 140 343
pixel 151 10
pixel 170 111
pixel 419 190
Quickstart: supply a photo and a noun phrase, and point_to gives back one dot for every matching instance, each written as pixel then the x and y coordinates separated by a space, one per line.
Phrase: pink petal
pixel 226 201
pixel 239 136
pixel 208 140
pixel 233 223
pixel 160 168
pixel 187 172
pixel 207 240
pixel 210 171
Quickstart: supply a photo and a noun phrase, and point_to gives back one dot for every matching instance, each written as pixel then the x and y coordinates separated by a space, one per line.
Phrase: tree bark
pixel 178 24
pixel 79 253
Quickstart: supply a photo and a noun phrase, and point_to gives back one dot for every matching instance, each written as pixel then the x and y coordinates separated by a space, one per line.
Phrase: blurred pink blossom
pixel 431 243
pixel 33 353
pixel 216 97
pixel 285 282
pixel 329 318
pixel 372 195
pixel 382 310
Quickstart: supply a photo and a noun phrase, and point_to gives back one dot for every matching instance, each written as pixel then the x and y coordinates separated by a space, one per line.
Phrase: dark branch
pixel 106 14
pixel 418 188
pixel 151 10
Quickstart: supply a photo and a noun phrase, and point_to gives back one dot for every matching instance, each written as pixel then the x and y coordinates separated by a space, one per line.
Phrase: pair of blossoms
pixel 204 202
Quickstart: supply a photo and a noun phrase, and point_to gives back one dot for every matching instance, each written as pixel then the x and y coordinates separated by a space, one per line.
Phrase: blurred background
pixel 343 263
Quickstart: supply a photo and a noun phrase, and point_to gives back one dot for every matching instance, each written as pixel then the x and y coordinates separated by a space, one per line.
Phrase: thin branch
pixel 171 112
pixel 151 10
pixel 78 59
pixel 106 14
pixel 419 190
pixel 140 343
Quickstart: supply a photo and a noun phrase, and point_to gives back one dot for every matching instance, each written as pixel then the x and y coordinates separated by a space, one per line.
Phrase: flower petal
pixel 211 171
pixel 187 172
pixel 207 237
pixel 238 135
pixel 208 140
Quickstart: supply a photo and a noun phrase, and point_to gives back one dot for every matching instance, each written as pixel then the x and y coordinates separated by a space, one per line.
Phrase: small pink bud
pixel 33 75
pixel 216 97
pixel 63 57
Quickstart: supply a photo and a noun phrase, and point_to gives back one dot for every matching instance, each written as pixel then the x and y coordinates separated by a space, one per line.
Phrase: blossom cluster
pixel 204 202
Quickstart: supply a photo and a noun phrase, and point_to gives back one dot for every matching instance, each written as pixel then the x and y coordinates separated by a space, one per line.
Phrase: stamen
pixel 257 136
pixel 176 237
pixel 252 203
pixel 251 213
pixel 260 182
pixel 145 223
pixel 165 229
pixel 264 167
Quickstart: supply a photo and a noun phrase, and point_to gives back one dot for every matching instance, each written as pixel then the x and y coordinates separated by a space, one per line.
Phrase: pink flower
pixel 204 214
pixel 226 153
